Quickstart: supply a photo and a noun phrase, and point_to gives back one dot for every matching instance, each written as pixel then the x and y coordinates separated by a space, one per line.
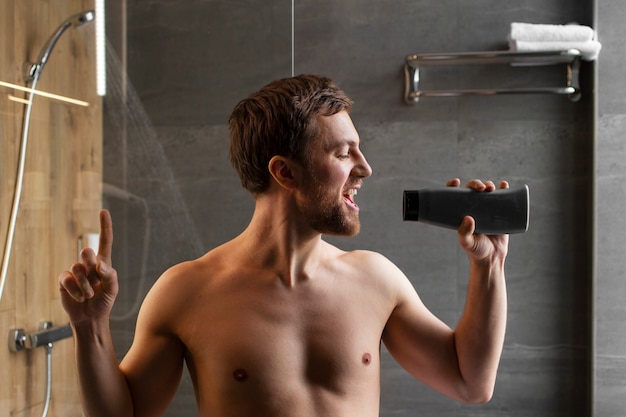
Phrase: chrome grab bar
pixel 570 57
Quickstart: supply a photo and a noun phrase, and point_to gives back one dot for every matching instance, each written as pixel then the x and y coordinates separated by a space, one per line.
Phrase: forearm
pixel 479 337
pixel 104 389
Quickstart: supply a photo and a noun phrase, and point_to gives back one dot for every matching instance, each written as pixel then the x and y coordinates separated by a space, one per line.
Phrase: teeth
pixel 352 191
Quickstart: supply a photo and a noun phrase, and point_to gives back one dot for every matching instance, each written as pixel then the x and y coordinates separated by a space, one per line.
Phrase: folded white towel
pixel 589 50
pixel 550 33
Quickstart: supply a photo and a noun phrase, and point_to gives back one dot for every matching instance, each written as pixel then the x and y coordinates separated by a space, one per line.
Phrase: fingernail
pixel 102 267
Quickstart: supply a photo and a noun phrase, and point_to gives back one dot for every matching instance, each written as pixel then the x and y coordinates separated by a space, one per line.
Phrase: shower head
pixel 33 70
pixel 82 18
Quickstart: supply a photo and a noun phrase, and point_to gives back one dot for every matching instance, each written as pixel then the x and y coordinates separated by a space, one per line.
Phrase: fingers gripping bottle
pixel 502 211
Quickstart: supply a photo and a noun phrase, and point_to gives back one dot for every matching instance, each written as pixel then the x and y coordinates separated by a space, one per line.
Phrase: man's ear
pixel 283 171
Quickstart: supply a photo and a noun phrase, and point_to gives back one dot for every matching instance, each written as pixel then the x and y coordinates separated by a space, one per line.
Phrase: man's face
pixel 333 173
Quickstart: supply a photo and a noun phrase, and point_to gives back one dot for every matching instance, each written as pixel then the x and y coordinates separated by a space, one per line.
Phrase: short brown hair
pixel 279 119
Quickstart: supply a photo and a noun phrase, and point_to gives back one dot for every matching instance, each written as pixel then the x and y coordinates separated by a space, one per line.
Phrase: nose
pixel 362 168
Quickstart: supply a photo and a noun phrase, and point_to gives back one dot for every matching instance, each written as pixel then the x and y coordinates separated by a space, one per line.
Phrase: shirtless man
pixel 278 322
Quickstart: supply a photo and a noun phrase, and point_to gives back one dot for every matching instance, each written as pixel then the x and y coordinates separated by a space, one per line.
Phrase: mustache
pixel 358 181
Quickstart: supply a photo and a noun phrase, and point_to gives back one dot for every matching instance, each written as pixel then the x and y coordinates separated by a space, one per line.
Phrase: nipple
pixel 366 359
pixel 240 375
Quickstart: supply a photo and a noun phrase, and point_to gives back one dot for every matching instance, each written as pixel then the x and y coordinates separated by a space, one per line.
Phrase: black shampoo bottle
pixel 502 211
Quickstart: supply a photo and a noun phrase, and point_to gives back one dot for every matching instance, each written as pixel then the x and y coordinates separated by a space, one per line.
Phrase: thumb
pixel 108 277
pixel 466 232
pixel 103 268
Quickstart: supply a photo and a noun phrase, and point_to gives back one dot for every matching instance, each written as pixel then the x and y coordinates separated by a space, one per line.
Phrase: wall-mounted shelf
pixel 570 58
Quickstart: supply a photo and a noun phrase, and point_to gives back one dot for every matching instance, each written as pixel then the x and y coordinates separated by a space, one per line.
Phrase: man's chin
pixel 337 221
pixel 344 230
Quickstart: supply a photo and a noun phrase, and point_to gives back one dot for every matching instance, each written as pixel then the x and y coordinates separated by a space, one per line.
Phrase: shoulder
pixel 374 263
pixel 369 256
pixel 188 276
pixel 180 278
pixel 173 293
pixel 377 270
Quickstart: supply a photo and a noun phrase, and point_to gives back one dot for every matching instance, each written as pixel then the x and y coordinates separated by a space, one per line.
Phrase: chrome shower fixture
pixel 33 73
pixel 33 70
pixel 19 340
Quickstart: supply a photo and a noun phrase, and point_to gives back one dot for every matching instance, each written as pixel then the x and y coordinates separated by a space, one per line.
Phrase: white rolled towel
pixel 589 50
pixel 531 32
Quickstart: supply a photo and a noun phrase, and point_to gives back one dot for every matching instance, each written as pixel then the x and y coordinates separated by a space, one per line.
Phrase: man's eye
pixel 344 156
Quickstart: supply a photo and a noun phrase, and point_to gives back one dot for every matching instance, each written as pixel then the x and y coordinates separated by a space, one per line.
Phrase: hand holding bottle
pixel 481 247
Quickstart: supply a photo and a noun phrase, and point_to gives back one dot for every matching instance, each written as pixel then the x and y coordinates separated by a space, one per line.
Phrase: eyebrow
pixel 341 143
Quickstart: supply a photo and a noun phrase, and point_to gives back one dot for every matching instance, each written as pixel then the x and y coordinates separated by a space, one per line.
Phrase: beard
pixel 327 214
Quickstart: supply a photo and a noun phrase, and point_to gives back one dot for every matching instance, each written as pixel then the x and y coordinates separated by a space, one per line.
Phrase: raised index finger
pixel 106 237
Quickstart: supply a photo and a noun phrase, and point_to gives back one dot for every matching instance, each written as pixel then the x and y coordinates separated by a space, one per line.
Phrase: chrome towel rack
pixel 571 58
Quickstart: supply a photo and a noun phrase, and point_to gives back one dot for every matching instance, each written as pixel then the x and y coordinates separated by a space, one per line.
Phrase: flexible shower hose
pixel 17 192
pixel 46 404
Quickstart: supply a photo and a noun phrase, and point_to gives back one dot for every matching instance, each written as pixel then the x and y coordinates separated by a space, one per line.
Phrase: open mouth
pixel 349 196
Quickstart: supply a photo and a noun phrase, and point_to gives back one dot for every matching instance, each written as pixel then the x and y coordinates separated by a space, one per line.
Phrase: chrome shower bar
pixel 571 58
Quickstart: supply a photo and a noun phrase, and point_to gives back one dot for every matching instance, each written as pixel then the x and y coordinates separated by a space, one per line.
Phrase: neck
pixel 279 239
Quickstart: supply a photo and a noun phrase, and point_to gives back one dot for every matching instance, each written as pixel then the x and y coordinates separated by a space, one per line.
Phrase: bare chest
pixel 278 347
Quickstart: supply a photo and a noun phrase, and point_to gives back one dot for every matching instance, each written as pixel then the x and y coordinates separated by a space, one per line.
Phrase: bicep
pixel 421 343
pixel 154 363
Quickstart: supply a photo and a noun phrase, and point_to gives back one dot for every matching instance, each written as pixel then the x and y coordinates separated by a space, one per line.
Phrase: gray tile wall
pixel 610 289
pixel 189 62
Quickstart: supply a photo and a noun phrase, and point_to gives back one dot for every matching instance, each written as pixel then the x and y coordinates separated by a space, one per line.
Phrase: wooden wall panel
pixel 61 192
